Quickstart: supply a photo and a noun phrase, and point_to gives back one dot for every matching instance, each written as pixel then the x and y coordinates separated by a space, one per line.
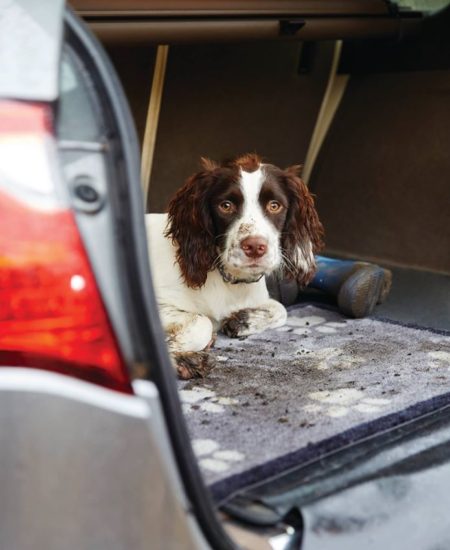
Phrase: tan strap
pixel 334 92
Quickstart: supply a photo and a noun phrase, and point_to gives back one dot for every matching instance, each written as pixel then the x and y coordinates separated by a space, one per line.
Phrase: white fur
pixel 252 222
pixel 304 257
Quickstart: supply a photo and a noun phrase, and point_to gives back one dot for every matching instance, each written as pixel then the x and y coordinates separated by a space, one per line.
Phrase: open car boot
pixel 330 431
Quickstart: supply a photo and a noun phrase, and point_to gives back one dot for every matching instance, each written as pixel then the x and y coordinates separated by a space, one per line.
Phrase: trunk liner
pixel 290 395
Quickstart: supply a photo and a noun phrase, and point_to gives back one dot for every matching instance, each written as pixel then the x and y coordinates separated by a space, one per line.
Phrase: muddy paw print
pixel 214 459
pixel 439 359
pixel 205 400
pixel 310 324
pixel 328 358
pixel 341 402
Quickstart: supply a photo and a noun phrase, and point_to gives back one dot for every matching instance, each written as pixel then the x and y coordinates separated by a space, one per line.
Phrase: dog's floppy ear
pixel 191 227
pixel 303 231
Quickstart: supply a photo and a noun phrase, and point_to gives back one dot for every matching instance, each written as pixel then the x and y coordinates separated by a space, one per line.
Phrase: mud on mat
pixel 291 394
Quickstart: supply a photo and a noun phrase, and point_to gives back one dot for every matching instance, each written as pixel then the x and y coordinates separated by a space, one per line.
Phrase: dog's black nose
pixel 254 247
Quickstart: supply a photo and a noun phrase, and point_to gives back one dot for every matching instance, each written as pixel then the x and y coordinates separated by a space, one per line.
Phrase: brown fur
pixel 302 222
pixel 194 364
pixel 249 162
pixel 235 322
pixel 191 227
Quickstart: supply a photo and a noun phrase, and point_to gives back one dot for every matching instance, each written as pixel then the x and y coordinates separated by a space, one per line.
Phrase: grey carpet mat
pixel 287 395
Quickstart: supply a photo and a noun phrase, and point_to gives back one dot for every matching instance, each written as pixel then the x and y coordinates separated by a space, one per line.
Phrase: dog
pixel 226 228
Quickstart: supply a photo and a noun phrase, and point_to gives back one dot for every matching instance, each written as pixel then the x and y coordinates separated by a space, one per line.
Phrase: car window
pixel 77 118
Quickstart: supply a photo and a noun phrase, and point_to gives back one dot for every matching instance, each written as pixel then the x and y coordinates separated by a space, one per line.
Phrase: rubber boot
pixel 357 286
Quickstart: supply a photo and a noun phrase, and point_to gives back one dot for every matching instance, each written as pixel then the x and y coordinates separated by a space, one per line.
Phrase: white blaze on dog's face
pixel 247 219
pixel 252 245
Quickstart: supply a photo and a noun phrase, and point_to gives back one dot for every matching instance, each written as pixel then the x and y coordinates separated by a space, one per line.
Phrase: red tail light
pixel 51 313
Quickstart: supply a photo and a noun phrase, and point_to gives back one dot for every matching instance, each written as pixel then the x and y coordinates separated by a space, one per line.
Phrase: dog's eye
pixel 227 207
pixel 274 207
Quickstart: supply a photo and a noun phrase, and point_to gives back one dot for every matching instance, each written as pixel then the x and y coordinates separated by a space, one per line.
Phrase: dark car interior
pixel 356 91
pixel 380 175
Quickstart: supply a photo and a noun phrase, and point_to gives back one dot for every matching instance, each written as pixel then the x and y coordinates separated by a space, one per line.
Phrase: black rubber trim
pixel 149 333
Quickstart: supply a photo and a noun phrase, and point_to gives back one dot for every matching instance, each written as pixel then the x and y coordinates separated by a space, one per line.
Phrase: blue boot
pixel 357 286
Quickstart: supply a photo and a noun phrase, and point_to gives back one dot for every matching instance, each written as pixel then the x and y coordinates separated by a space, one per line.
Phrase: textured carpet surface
pixel 287 389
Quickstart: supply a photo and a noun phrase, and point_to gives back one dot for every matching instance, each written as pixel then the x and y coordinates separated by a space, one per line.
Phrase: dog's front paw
pixel 248 321
pixel 194 364
pixel 237 324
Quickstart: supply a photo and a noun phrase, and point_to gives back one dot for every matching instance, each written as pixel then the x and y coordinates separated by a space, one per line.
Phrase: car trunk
pixel 379 164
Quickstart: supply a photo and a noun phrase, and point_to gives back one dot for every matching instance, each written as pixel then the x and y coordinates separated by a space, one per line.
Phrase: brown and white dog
pixel 226 228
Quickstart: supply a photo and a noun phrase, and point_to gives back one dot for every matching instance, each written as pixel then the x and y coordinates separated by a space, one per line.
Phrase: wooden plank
pixel 151 126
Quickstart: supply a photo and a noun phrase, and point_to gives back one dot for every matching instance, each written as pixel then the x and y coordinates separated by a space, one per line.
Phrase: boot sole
pixel 362 291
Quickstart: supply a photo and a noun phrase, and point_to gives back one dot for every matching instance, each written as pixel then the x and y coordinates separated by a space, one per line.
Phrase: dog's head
pixel 247 219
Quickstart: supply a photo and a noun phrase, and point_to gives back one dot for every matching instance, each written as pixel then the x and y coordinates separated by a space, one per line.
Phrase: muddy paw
pixel 196 364
pixel 236 324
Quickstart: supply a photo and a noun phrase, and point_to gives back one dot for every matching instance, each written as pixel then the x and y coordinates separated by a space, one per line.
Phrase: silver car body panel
pixel 30 26
pixel 67 482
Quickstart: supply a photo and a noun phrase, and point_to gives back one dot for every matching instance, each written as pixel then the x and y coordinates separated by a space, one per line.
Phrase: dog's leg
pixel 189 337
pixel 247 321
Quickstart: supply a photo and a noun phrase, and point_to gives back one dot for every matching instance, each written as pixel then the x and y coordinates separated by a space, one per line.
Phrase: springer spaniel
pixel 226 228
